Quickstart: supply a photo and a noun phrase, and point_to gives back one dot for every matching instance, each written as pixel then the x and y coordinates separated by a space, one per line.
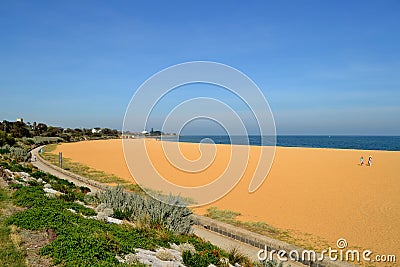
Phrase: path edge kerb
pixel 224 229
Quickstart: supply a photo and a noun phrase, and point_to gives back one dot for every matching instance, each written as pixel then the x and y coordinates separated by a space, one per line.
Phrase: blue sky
pixel 325 67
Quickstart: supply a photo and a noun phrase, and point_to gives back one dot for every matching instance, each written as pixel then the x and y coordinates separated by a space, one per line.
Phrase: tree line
pixel 13 131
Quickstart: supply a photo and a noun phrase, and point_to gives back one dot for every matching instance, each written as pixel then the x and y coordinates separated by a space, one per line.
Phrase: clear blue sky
pixel 326 67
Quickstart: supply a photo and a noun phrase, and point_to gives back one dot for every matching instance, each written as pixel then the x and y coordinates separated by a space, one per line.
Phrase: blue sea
pixel 391 143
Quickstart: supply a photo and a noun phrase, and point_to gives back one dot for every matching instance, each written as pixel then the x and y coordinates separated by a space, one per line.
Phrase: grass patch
pixel 49 148
pixel 79 168
pixel 132 188
pixel 9 254
pixel 230 217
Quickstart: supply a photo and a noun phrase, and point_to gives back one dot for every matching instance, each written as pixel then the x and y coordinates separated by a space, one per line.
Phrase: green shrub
pixel 5 149
pixel 28 196
pixel 84 189
pixel 6 138
pixel 15 167
pixel 19 154
pixel 38 174
pixel 122 214
pixel 41 140
pixel 142 208
pixel 90 249
pixel 27 141
pixel 3 194
pixel 235 256
pixel 15 186
pixel 61 183
pixel 69 196
pixel 202 258
pixel 34 196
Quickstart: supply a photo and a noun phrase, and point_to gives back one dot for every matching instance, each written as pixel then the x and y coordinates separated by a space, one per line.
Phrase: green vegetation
pixel 41 140
pixel 13 166
pixel 10 255
pixel 80 241
pixel 40 133
pixel 234 255
pixel 49 148
pixel 6 139
pixel 145 210
pixel 132 187
pixel 18 153
pixel 18 138
pixel 201 259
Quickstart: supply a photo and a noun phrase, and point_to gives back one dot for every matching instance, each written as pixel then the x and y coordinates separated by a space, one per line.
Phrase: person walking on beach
pixel 370 161
pixel 362 161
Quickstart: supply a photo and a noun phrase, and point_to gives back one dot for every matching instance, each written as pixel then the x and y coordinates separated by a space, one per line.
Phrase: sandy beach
pixel 322 192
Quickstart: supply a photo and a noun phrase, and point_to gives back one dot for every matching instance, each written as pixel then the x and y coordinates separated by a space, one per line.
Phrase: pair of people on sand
pixel 369 161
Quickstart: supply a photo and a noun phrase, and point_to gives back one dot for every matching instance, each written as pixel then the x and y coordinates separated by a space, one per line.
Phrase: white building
pixel 96 130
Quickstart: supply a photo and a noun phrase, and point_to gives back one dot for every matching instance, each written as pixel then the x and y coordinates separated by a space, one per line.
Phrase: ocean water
pixel 391 143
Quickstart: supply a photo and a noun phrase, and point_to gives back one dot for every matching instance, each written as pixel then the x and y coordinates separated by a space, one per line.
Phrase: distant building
pixel 144 132
pixel 19 120
pixel 127 136
pixel 96 130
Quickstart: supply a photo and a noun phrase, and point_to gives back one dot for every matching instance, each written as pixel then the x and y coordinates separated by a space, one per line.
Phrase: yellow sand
pixel 324 192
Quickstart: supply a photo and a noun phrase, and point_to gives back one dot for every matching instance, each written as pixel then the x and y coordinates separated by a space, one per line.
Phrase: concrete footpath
pixel 52 170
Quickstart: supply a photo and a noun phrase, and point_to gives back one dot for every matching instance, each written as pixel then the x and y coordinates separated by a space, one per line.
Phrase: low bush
pixel 5 149
pixel 41 175
pixel 139 207
pixel 19 154
pixel 29 196
pixel 34 196
pixel 15 167
pixel 202 258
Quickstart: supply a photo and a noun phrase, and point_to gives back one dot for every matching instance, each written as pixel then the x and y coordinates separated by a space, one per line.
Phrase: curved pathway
pixel 39 163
